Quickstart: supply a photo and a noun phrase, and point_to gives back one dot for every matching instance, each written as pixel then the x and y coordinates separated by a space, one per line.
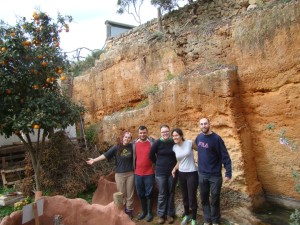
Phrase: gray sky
pixel 87 29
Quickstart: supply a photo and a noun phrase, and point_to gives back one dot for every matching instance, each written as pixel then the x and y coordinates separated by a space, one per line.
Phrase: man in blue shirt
pixel 212 154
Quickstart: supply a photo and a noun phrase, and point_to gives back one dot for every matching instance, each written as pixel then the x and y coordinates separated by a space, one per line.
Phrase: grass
pixel 8 209
pixel 88 194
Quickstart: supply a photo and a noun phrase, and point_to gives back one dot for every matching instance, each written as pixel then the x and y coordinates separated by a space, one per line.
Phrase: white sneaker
pixel 185 220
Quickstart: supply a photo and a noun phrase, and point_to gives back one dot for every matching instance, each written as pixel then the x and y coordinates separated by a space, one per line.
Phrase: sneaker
pixel 206 224
pixel 171 219
pixel 185 220
pixel 129 212
pixel 194 222
pixel 161 220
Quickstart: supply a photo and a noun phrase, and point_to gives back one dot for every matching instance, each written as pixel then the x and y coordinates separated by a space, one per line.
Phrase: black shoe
pixel 143 214
pixel 149 216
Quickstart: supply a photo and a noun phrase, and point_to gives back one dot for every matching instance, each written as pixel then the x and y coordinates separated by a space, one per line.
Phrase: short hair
pixel 205 118
pixel 142 127
pixel 165 125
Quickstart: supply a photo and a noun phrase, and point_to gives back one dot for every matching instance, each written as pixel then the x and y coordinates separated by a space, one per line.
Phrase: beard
pixel 205 130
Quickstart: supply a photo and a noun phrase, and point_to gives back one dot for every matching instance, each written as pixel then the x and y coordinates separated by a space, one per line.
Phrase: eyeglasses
pixel 165 132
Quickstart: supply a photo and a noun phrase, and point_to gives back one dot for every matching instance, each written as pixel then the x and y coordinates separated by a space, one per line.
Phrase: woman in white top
pixel 188 175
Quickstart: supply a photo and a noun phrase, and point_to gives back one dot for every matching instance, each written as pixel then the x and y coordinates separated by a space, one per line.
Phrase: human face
pixel 204 126
pixel 177 138
pixel 165 133
pixel 127 138
pixel 143 135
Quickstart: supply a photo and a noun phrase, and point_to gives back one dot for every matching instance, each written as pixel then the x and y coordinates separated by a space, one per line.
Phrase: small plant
pixel 142 104
pixel 80 66
pixel 156 36
pixel 295 218
pixel 270 126
pixel 91 134
pixel 152 90
pixel 19 205
pixel 170 76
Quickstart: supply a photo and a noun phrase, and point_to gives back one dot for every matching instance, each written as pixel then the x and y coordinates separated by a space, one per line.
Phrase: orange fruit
pixel 59 71
pixel 63 77
pixel 3 49
pixel 36 126
pixel 44 64
pixel 48 80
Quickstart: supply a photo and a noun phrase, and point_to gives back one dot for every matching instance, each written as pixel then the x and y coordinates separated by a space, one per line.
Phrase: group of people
pixel 143 162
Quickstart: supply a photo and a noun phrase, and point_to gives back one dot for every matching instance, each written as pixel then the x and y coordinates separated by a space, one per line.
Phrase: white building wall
pixel 70 131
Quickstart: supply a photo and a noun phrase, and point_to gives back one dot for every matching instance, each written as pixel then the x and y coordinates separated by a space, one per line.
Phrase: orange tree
pixel 30 97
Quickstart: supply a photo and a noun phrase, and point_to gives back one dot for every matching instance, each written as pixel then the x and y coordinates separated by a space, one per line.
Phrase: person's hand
pixel 226 179
pixel 90 161
pixel 173 172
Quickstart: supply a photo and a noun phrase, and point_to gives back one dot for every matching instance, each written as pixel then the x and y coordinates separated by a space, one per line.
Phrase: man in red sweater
pixel 143 172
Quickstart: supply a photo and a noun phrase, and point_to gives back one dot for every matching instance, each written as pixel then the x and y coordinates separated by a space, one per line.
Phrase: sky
pixel 88 27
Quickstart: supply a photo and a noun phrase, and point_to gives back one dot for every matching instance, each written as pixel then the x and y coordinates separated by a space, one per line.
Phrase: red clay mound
pixel 74 212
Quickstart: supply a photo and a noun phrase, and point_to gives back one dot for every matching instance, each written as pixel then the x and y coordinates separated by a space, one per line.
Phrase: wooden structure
pixel 12 164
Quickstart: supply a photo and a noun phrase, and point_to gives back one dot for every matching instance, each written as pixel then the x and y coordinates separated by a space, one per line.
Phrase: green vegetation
pixel 293 146
pixel 253 32
pixel 91 134
pixel 152 90
pixel 30 96
pixel 170 76
pixel 80 66
pixel 8 209
pixel 88 194
pixel 143 104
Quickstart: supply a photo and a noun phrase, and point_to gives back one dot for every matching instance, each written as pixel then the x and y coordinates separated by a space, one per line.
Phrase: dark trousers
pixel 210 186
pixel 144 185
pixel 166 194
pixel 189 185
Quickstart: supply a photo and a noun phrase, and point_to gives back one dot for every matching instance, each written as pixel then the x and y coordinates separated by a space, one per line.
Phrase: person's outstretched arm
pixel 91 161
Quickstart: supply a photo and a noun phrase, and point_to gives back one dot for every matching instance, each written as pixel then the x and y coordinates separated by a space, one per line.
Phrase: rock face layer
pixel 242 72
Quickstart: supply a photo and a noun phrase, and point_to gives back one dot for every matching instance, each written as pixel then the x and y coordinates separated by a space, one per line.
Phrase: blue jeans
pixel 166 193
pixel 144 185
pixel 210 186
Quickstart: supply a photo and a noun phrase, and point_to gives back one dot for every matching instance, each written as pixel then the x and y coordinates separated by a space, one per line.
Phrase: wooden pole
pixel 35 213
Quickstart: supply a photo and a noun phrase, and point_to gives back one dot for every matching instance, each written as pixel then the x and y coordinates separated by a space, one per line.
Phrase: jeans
pixel 210 186
pixel 166 193
pixel 189 185
pixel 144 185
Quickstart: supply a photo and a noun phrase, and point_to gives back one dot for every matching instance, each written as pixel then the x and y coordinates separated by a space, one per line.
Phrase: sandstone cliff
pixel 240 69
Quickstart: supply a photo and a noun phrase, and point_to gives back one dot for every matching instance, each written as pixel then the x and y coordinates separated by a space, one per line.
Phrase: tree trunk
pixel 159 20
pixel 35 159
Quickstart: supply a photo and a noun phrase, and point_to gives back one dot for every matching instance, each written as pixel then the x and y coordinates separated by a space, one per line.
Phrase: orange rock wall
pixel 242 72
